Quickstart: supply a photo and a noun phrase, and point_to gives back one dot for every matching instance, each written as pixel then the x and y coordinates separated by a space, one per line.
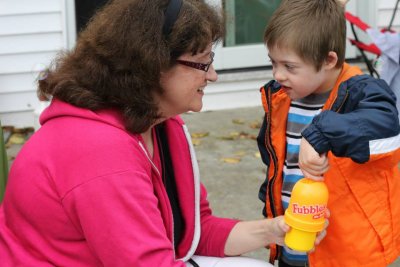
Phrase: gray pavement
pixel 229 162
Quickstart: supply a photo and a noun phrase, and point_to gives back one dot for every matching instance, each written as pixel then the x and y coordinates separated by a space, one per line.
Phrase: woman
pixel 111 179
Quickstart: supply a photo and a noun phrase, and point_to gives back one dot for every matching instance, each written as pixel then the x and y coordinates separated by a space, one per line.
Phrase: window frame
pixel 255 55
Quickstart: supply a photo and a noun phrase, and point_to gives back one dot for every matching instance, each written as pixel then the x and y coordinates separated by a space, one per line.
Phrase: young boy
pixel 325 120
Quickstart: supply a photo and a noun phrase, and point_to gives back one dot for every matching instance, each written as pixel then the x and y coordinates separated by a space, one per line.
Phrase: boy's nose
pixel 279 75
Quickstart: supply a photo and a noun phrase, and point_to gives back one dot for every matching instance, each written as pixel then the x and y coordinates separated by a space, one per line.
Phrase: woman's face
pixel 184 85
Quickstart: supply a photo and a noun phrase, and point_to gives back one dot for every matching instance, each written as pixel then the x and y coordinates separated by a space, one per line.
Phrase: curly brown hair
pixel 119 56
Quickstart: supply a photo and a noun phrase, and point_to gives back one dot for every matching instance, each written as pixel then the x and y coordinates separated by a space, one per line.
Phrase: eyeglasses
pixel 195 65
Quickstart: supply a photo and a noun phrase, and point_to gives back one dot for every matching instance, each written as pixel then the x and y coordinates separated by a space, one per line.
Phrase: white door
pixel 246 19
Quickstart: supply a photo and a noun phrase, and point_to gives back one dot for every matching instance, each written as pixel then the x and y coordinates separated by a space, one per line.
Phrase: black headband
pixel 171 15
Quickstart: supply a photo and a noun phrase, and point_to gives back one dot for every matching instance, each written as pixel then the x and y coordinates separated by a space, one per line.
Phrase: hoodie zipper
pixel 159 175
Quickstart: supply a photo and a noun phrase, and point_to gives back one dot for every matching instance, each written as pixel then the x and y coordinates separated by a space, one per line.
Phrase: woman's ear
pixel 331 60
pixel 343 2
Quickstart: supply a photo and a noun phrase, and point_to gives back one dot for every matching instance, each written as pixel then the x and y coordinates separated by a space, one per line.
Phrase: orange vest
pixel 364 199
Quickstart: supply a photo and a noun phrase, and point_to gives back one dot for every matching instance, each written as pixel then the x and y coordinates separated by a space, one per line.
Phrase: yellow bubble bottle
pixel 306 214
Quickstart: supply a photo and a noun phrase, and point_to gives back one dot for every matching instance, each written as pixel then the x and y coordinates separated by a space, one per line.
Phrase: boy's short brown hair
pixel 312 28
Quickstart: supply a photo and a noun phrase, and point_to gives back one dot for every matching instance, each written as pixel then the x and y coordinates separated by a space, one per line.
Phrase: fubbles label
pixel 316 210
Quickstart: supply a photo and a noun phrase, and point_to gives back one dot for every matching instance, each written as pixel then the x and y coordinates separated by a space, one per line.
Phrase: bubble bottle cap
pixel 307 205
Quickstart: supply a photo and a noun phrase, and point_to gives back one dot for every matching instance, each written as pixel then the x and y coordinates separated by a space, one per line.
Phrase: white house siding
pixel 385 12
pixel 31 34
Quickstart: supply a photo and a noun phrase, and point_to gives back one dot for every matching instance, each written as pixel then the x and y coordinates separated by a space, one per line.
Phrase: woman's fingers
pixel 321 235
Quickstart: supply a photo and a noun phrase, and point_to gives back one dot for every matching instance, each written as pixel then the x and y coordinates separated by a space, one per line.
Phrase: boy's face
pixel 297 77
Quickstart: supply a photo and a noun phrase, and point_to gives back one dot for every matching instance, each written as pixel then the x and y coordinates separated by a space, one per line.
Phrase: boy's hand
pixel 312 164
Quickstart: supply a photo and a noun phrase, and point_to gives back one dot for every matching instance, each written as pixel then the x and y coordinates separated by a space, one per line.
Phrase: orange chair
pixel 363 47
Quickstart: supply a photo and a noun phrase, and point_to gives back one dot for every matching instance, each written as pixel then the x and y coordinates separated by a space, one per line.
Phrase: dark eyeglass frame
pixel 195 65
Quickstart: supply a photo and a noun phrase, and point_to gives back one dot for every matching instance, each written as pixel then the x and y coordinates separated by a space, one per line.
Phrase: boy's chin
pixel 292 96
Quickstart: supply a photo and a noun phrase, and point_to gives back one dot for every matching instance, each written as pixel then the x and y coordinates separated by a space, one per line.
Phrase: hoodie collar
pixel 58 109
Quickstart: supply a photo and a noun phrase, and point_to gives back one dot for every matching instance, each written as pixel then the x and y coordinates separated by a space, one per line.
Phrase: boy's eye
pixel 289 67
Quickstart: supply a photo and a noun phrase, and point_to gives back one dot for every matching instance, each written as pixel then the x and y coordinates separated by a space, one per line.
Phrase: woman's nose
pixel 211 74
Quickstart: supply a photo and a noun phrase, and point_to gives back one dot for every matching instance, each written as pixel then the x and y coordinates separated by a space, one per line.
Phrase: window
pixel 243 15
pixel 84 10
pixel 243 46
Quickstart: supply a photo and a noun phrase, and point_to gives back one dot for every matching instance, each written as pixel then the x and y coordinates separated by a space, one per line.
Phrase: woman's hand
pixel 276 230
pixel 247 236
pixel 312 164
pixel 279 228
pixel 321 235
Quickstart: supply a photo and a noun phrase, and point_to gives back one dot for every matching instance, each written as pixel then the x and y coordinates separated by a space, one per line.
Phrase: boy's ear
pixel 331 60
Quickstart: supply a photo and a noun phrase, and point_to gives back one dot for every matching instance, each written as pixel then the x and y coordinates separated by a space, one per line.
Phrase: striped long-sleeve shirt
pixel 301 113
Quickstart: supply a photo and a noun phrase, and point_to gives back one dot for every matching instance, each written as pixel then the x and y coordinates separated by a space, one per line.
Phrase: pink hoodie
pixel 84 192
